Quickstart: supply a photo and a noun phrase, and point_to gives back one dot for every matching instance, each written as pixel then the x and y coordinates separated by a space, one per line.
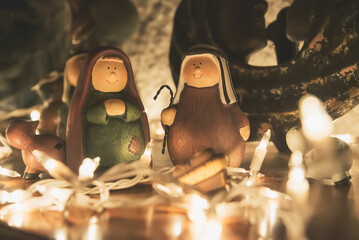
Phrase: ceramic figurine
pixel 106 117
pixel 71 74
pixel 326 66
pixel 50 90
pixel 205 113
pixel 22 135
pixel 205 172
pixel 320 165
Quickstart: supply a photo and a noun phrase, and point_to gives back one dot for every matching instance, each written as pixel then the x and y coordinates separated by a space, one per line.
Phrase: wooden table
pixel 335 212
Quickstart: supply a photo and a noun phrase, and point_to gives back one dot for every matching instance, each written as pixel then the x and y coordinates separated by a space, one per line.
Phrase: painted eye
pixel 108 67
pixel 194 64
pixel 115 67
pixel 200 63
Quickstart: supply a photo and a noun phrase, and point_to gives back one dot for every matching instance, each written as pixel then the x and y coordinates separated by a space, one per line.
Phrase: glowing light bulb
pixel 297 185
pixel 8 172
pixel 259 154
pixel 197 206
pixel 316 123
pixel 146 156
pixel 35 115
pixel 88 167
pixel 5 149
pixel 55 168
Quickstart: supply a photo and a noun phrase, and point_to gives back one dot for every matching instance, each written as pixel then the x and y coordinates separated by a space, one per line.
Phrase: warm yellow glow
pixel 296 174
pixel 88 167
pixel 160 131
pixel 146 157
pixel 348 138
pixel 4 196
pixel 317 126
pixel 8 172
pixel 296 158
pixel 259 153
pixel 316 123
pixel 17 219
pixel 35 115
pixel 18 196
pixel 197 205
pixel 177 228
pixel 93 232
pixel 213 230
pixel 55 168
pixel 265 139
pixel 61 194
pixel 5 149
pixel 170 188
pixel 60 234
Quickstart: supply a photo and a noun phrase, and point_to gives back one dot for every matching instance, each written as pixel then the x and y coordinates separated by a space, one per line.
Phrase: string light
pixel 5 149
pixel 316 123
pixel 35 115
pixel 297 185
pixel 9 172
pixel 88 167
pixel 259 154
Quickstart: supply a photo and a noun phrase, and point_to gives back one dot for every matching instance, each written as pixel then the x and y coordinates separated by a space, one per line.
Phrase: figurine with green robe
pixel 106 116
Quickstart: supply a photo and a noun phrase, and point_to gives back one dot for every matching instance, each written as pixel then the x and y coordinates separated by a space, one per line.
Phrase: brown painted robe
pixel 203 121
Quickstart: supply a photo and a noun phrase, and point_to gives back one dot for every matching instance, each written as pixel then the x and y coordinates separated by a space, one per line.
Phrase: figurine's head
pixel 200 70
pixel 303 15
pixel 109 75
pixel 20 133
pixel 241 26
pixel 206 66
pixel 72 68
pixel 109 71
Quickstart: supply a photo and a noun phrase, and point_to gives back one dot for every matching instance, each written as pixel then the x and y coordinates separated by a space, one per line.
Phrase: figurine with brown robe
pixel 106 117
pixel 22 135
pixel 205 113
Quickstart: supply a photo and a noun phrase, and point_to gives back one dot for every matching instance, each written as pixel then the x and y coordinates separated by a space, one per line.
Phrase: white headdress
pixel 225 85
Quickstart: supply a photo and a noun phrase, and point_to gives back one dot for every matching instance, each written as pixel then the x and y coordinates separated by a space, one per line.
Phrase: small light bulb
pixel 35 115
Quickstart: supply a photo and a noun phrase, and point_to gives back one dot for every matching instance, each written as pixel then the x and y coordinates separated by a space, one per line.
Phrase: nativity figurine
pixel 22 135
pixel 106 117
pixel 205 113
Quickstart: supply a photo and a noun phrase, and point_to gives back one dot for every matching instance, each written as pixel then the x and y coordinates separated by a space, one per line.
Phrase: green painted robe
pixel 109 137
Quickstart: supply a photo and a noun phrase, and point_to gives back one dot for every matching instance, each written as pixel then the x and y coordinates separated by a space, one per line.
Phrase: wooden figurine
pixel 22 135
pixel 106 117
pixel 205 113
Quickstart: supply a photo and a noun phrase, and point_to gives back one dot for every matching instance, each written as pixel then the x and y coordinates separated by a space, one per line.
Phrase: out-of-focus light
pixel 170 189
pixel 197 206
pixel 5 149
pixel 35 115
pixel 55 168
pixel 213 230
pixel 348 138
pixel 296 158
pixel 177 228
pixel 88 167
pixel 146 158
pixel 316 123
pixel 18 196
pixel 16 220
pixel 9 172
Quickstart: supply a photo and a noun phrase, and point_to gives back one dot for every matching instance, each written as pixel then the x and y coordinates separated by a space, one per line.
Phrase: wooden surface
pixel 334 211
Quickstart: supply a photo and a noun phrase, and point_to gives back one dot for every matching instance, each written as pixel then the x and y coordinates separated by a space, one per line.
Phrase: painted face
pixel 109 75
pixel 200 71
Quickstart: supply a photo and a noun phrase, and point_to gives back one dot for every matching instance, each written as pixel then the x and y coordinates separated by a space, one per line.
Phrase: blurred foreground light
pixel 316 123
